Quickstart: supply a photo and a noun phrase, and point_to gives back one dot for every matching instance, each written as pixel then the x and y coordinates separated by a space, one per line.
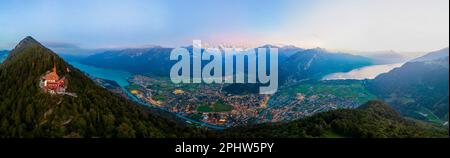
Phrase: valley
pixel 230 105
pixel 209 103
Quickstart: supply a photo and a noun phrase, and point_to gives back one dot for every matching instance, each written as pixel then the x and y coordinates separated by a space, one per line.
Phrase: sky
pixel 365 25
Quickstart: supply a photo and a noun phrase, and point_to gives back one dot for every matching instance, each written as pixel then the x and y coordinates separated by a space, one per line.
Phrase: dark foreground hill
pixel 374 119
pixel 27 111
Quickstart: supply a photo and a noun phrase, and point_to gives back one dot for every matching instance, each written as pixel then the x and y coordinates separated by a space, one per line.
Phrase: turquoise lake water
pixel 118 76
pixel 3 57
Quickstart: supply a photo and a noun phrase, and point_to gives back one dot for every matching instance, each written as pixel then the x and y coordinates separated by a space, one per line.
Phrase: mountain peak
pixel 269 46
pixel 24 44
pixel 29 38
pixel 27 41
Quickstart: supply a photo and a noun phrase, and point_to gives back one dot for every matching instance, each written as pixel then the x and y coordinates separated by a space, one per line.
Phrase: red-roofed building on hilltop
pixel 51 82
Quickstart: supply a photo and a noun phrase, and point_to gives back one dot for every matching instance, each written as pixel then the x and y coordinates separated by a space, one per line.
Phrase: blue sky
pixel 402 25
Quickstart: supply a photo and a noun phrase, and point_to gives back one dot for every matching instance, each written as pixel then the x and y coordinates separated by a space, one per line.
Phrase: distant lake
pixel 114 75
pixel 368 72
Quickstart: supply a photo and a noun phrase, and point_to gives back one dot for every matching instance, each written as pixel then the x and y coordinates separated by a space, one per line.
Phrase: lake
pixel 118 76
pixel 368 72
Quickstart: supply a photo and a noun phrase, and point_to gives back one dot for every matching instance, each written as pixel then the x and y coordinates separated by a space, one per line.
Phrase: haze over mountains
pixel 386 57
pixel 306 61
pixel 153 61
pixel 284 52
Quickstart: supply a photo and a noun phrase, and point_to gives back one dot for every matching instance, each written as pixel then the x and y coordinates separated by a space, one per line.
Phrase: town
pixel 210 103
pixel 202 102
